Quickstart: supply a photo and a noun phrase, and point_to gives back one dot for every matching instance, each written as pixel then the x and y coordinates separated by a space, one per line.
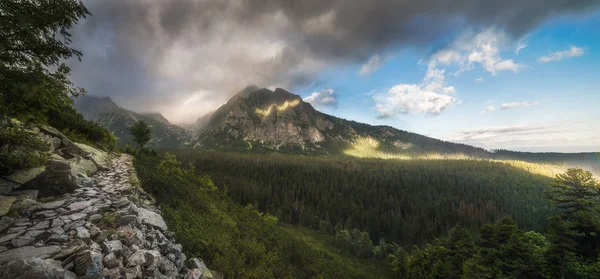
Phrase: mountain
pixel 104 111
pixel 261 120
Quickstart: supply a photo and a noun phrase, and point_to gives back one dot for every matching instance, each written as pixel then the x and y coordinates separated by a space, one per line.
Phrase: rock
pixel 6 186
pixel 168 268
pixel 28 252
pixel 110 261
pixel 57 223
pixel 121 202
pixel 25 175
pixel 82 233
pixel 9 237
pixel 130 236
pixel 74 247
pixel 41 225
pixel 6 203
pixel 15 230
pixel 77 206
pixel 51 131
pixel 25 194
pixel 99 158
pixel 23 205
pixel 81 165
pixel 199 273
pixel 95 217
pixel 5 222
pixel 171 257
pixel 128 220
pixel 45 213
pixel 21 241
pixel 113 246
pixel 88 263
pixel 148 217
pixel 57 179
pixel 148 259
pixel 61 238
pixel 133 272
pixel 35 268
pixel 57 230
pixel 48 205
pixel 195 263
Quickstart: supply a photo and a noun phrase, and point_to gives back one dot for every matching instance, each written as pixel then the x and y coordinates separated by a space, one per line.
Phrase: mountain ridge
pixel 117 119
pixel 263 120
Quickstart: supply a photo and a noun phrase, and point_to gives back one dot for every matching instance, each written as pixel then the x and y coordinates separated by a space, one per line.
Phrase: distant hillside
pixel 261 120
pixel 117 120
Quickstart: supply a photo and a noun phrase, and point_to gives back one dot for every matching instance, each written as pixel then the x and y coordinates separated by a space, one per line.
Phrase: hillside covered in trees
pixel 409 202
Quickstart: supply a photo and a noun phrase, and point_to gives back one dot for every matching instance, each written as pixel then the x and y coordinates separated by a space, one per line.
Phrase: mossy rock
pixel 6 203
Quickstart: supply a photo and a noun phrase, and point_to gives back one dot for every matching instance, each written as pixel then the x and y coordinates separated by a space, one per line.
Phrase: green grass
pixel 368 268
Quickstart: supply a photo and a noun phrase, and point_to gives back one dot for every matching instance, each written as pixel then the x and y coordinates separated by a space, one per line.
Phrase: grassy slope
pixel 369 268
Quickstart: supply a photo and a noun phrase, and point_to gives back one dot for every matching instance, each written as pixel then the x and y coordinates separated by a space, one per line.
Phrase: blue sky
pixel 427 66
pixel 537 104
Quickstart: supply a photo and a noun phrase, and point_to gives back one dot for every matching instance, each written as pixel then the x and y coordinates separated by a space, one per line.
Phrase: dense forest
pixel 249 242
pixel 238 240
pixel 408 202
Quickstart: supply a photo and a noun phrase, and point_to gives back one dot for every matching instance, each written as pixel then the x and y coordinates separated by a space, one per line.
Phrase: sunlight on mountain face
pixel 367 147
pixel 287 104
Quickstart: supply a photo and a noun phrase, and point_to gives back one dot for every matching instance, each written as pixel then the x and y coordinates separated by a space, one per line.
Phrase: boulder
pixel 25 194
pixel 57 179
pixel 81 165
pixel 100 158
pixel 110 261
pixel 28 252
pixel 148 259
pixel 5 222
pixel 35 268
pixel 88 263
pixel 148 217
pixel 6 203
pixel 25 175
pixel 112 246
pixel 6 186
pixel 23 205
pixel 51 131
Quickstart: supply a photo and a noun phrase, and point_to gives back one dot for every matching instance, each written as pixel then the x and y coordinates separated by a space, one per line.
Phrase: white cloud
pixel 490 108
pixel 573 51
pixel 482 48
pixel 492 132
pixel 506 106
pixel 323 98
pixel 513 105
pixel 520 47
pixel 374 63
pixel 478 80
pixel 430 97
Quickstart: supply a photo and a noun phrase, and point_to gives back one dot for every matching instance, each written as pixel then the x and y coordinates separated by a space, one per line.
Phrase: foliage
pixel 34 43
pixel 233 239
pixel 502 250
pixel 141 132
pixel 77 128
pixel 19 149
pixel 408 202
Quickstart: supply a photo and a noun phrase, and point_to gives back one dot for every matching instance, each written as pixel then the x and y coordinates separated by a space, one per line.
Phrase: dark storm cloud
pixel 185 57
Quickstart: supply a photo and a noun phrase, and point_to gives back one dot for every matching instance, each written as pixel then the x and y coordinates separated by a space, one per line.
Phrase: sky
pixel 498 74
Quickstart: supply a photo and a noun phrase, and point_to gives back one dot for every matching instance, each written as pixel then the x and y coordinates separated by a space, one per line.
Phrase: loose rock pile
pixel 106 228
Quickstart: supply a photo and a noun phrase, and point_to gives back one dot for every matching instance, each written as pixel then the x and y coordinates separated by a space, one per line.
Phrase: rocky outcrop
pixel 105 228
pixel 69 164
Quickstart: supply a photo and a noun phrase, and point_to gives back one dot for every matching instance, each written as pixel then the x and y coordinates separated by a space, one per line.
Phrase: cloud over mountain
pixel 184 58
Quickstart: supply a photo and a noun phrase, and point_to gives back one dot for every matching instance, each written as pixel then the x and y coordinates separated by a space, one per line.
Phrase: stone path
pixel 106 228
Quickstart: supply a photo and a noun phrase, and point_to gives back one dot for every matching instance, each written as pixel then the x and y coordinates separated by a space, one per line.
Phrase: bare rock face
pixel 57 179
